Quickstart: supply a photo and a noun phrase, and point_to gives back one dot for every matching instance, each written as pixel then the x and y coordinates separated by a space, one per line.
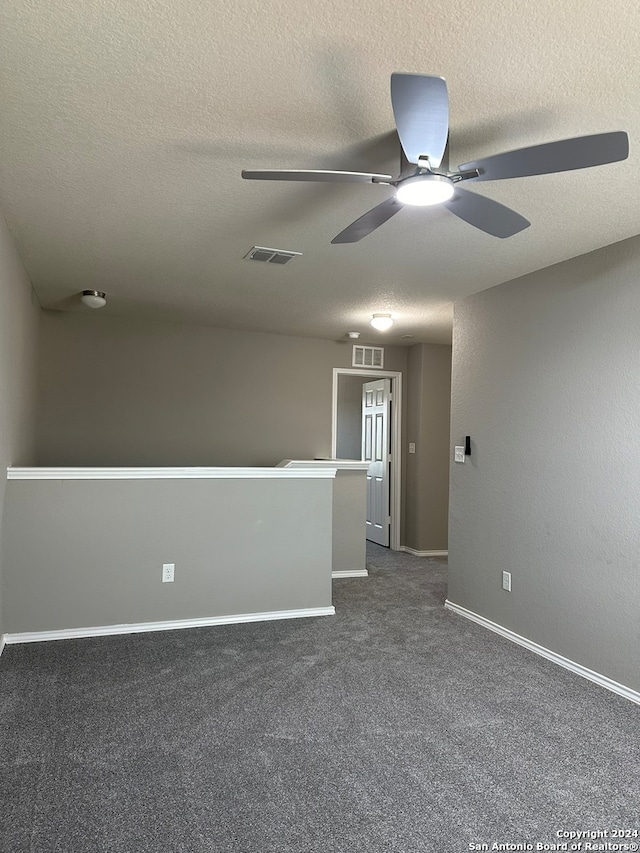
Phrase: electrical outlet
pixel 506 581
pixel 458 454
pixel 412 447
pixel 168 570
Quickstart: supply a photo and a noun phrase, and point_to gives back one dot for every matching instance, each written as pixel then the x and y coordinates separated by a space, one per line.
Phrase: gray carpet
pixel 393 726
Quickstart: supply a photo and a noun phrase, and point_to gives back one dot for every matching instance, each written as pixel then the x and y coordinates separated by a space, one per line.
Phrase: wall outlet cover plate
pixel 458 454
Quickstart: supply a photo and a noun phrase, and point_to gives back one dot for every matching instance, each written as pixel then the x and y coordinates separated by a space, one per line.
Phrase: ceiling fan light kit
pixel 421 111
pixel 424 190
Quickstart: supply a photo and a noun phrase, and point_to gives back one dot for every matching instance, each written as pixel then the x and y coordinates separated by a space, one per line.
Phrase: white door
pixel 376 403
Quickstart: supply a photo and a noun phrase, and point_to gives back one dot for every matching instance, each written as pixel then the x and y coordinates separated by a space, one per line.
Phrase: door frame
pixel 396 438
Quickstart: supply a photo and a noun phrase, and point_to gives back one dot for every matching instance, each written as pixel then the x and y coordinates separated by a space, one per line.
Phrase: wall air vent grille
pixel 368 357
pixel 270 256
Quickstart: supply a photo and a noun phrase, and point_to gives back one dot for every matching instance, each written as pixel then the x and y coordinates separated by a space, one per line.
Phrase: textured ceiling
pixel 124 126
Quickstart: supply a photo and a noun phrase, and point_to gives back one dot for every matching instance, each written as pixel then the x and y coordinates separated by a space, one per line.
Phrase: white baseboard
pixel 2 642
pixel 350 573
pixel 143 627
pixel 423 553
pixel 572 666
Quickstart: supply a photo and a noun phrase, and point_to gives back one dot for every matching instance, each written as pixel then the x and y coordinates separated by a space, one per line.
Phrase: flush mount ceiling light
pixel 382 322
pixel 93 298
pixel 424 190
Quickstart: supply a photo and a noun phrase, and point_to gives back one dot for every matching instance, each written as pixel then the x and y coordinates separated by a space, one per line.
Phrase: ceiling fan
pixel 421 110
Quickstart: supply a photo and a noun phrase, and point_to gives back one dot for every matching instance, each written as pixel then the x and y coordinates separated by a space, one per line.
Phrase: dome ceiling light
pixel 93 298
pixel 382 322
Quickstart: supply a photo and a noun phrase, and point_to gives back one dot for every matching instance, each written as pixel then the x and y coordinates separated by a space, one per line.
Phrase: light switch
pixel 459 454
pixel 412 447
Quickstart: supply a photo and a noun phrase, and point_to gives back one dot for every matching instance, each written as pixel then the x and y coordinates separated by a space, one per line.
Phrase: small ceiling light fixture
pixel 425 189
pixel 382 322
pixel 93 298
pixel 354 335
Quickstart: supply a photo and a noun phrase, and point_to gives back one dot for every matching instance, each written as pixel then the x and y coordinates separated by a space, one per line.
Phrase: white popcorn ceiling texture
pixel 124 126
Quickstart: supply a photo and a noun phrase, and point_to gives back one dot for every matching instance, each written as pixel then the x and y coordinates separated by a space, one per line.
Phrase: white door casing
pixel 376 399
pixel 396 433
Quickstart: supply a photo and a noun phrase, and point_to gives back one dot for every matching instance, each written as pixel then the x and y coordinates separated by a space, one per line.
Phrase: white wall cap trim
pixel 170 473
pixel 339 464
pixel 423 553
pixel 143 627
pixel 350 573
pixel 574 667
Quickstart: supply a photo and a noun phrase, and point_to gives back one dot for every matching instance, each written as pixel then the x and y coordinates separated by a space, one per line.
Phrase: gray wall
pixel 117 392
pixel 127 392
pixel 18 345
pixel 428 425
pixel 349 422
pixel 86 553
pixel 349 515
pixel 546 381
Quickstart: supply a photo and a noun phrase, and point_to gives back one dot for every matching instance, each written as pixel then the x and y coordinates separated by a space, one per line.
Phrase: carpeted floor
pixel 393 726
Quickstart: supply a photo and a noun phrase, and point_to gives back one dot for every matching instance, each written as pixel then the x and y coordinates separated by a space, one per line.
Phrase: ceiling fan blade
pixel 315 175
pixel 369 222
pixel 563 156
pixel 486 214
pixel 421 110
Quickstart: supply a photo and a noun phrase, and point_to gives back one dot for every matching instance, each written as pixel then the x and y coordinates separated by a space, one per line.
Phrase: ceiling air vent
pixel 368 357
pixel 270 256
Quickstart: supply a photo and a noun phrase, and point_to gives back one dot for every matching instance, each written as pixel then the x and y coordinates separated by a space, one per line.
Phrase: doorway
pixel 395 445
